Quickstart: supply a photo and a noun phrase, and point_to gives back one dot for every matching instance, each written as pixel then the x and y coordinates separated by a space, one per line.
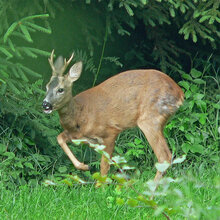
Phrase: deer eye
pixel 60 90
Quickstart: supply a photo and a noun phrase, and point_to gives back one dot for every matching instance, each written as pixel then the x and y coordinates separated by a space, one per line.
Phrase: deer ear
pixel 75 71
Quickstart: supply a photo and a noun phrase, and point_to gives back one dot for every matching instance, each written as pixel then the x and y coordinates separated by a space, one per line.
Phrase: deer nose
pixel 46 105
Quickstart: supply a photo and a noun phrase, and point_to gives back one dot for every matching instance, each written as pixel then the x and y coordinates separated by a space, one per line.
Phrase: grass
pixel 84 202
pixel 200 199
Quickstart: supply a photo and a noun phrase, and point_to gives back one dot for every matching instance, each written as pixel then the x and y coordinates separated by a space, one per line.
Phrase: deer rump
pixel 143 98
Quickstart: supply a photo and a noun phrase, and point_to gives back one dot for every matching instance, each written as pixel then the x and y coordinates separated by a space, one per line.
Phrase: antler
pixel 65 65
pixel 61 70
pixel 51 61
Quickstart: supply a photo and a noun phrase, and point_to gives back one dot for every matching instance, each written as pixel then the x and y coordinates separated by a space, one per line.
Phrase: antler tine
pixel 51 61
pixel 66 63
pixel 70 59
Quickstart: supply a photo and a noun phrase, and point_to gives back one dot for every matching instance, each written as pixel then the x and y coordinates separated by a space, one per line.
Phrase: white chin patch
pixel 48 111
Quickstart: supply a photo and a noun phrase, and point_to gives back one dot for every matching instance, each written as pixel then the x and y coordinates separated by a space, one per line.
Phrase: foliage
pixel 200 192
pixel 153 195
pixel 21 119
pixel 196 125
pixel 162 21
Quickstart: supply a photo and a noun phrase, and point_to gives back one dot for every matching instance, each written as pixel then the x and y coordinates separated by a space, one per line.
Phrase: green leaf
pixel 197 148
pixel 186 76
pixel 146 201
pixel 184 84
pixel 67 182
pixel 190 138
pixel 194 88
pixel 198 96
pixel 78 141
pixel 96 175
pixel 120 201
pixel 126 167
pixel 199 81
pixel 194 38
pixel 195 73
pixel 118 159
pixel 183 8
pixel 10 155
pixel 19 165
pixel 151 22
pixel 203 118
pixel 179 159
pixel 137 141
pixel 29 165
pixel 62 169
pixel 152 185
pixel 185 147
pixel 120 178
pixel 217 105
pixel 77 179
pixel 19 145
pixel 144 2
pixel 49 183
pixel 172 12
pixel 188 94
pixel 132 202
pixel 129 10
pixel 162 167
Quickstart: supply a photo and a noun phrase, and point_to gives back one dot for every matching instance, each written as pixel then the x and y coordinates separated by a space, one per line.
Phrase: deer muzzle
pixel 47 107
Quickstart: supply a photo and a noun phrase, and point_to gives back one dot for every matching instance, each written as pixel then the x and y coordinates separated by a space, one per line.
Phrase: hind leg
pixel 153 130
pixel 110 145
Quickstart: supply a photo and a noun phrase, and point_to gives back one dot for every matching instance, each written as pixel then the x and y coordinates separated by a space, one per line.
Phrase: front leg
pixel 62 139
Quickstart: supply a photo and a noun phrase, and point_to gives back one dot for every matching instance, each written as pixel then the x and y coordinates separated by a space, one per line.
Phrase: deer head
pixel 59 88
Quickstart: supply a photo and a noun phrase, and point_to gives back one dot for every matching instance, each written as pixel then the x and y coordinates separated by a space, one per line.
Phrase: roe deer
pixel 143 98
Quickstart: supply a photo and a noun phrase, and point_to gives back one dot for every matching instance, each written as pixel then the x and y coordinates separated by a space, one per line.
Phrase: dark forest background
pixel 181 38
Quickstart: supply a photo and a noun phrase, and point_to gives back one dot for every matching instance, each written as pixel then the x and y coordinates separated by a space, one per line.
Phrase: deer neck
pixel 66 113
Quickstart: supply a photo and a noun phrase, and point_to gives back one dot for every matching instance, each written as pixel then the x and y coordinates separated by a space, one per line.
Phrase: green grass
pixel 199 190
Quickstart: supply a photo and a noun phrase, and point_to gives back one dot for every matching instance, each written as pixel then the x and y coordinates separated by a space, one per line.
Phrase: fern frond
pixel 114 60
